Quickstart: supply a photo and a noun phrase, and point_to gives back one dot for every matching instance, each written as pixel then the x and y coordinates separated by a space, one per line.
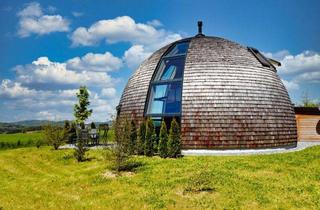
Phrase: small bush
pixel 133 137
pixel 54 135
pixel 149 139
pixel 174 142
pixel 39 143
pixel 163 140
pixel 141 139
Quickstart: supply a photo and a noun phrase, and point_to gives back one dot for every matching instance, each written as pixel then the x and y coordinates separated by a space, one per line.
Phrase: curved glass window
pixel 165 92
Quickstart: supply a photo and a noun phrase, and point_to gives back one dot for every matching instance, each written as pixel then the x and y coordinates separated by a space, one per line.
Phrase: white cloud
pixel 306 61
pixel 135 55
pixel 95 62
pixel 122 29
pixel 33 21
pixel 12 89
pixel 155 23
pixel 108 92
pixel 290 85
pixel 44 71
pixel 77 14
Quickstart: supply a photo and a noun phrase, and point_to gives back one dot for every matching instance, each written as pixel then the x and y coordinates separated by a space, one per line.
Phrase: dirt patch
pixel 110 174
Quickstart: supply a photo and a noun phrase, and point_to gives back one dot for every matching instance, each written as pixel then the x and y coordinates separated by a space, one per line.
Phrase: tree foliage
pixel 174 142
pixel 133 137
pixel 149 139
pixel 163 140
pixel 54 135
pixel 81 111
pixel 141 138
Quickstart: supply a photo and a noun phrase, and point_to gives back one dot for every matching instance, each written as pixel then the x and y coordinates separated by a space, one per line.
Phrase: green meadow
pixel 32 178
pixel 16 140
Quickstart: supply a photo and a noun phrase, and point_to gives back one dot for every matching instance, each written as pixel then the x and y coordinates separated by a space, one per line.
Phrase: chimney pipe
pixel 200 34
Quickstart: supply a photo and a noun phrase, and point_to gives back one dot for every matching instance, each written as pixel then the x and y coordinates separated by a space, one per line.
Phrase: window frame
pixel 154 82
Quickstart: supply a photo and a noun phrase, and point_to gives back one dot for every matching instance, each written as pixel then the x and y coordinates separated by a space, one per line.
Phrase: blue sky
pixel 49 48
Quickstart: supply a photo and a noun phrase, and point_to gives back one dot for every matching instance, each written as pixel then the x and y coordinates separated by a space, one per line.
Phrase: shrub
pixel 133 137
pixel 163 140
pixel 120 152
pixel 174 142
pixel 149 139
pixel 54 135
pixel 39 143
pixel 141 139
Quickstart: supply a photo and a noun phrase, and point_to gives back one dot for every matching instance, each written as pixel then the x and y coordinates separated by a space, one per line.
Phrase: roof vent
pixel 200 34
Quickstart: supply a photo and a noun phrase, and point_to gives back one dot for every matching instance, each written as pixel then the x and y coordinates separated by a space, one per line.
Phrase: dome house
pixel 223 94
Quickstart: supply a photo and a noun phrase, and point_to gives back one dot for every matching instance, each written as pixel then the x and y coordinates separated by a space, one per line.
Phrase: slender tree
pixel 81 113
pixel 133 137
pixel 120 150
pixel 163 140
pixel 141 138
pixel 150 132
pixel 174 142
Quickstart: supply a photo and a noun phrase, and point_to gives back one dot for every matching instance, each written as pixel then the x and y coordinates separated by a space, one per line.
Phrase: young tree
pixel 149 140
pixel 163 140
pixel 133 137
pixel 66 130
pixel 121 152
pixel 141 138
pixel 81 113
pixel 174 142
pixel 54 135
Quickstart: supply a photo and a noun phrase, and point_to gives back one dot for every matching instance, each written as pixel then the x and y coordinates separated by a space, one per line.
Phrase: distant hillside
pixel 30 125
pixel 37 122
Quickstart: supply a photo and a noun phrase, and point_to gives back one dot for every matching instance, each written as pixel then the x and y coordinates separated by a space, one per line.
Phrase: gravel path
pixel 300 146
pixel 202 152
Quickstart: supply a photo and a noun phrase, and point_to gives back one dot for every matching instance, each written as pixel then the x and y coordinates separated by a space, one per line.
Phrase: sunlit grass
pixel 33 178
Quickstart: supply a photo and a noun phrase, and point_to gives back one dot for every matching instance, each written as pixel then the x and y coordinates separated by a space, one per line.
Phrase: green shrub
pixel 39 142
pixel 54 135
pixel 133 137
pixel 141 139
pixel 174 142
pixel 149 139
pixel 120 153
pixel 163 140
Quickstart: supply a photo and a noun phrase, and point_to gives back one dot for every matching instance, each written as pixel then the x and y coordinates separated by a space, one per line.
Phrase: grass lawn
pixel 33 178
pixel 19 139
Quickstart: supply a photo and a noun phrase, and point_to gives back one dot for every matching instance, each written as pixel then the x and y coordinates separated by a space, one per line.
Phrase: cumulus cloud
pixel 33 21
pixel 122 29
pixel 302 68
pixel 108 92
pixel 95 62
pixel 135 55
pixel 44 71
pixel 13 89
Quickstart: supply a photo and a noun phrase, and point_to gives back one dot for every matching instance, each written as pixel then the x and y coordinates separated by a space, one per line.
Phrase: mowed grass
pixel 20 139
pixel 42 178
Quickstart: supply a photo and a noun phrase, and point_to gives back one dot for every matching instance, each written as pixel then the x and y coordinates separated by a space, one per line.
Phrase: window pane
pixel 165 98
pixel 170 68
pixel 180 48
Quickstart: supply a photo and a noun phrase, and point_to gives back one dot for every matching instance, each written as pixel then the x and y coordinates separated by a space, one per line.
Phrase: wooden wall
pixel 306 125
